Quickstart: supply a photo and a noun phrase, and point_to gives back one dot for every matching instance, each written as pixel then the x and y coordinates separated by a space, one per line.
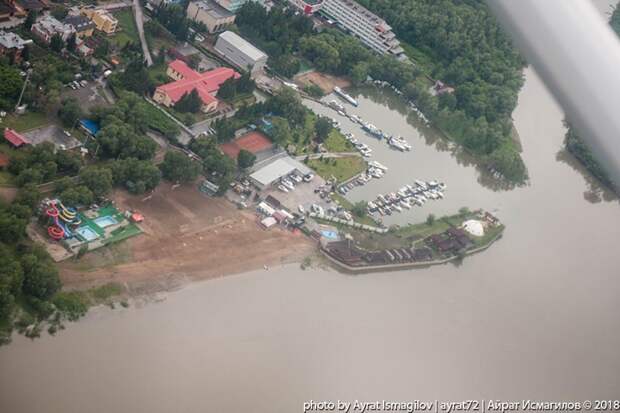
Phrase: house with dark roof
pixel 15 139
pixel 422 254
pixel 447 245
pixel 83 26
pixel 186 79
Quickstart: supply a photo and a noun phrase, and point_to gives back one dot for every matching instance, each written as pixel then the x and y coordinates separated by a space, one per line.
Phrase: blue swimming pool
pixel 87 233
pixel 105 221
pixel 330 234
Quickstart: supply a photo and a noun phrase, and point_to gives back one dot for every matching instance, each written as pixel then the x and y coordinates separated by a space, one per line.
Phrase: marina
pixel 406 197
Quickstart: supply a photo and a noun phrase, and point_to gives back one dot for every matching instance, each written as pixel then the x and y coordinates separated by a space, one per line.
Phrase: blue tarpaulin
pixel 91 126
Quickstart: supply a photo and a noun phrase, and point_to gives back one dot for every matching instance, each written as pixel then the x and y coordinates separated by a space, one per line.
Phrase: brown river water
pixel 533 317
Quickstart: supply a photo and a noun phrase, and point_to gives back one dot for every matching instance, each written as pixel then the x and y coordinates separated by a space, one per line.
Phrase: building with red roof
pixel 15 138
pixel 187 79
pixel 254 142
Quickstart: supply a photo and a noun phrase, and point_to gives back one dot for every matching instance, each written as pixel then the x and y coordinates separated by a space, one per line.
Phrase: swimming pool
pixel 330 234
pixel 105 221
pixel 87 233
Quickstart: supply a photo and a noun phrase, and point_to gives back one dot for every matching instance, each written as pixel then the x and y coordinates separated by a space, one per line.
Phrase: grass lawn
pixel 25 122
pixel 340 168
pixel 6 178
pixel 422 230
pixel 346 204
pixel 336 142
pixel 123 233
pixel 129 32
pixel 157 74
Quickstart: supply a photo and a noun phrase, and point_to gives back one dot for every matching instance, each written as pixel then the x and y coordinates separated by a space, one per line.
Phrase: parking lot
pixel 53 134
pixel 89 96
pixel 305 194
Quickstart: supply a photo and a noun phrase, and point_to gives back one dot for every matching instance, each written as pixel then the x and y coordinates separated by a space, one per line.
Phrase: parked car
pixel 308 177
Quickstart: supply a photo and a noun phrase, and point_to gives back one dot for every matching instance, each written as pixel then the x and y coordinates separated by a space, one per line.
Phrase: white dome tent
pixel 474 227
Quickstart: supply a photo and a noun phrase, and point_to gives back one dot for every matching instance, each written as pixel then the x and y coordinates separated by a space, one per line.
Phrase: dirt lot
pixel 188 236
pixel 325 82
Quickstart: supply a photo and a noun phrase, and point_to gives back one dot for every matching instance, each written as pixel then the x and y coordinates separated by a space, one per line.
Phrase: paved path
pixel 137 9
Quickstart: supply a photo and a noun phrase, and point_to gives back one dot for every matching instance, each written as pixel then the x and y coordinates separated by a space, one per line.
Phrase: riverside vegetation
pixel 457 42
pixel 577 147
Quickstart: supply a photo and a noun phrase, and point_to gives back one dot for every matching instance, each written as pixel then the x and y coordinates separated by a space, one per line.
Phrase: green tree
pixel 281 131
pixel 136 78
pixel 40 277
pixel 78 195
pixel 70 112
pixel 28 195
pixel 72 43
pixel 12 228
pixel 97 179
pixel 102 49
pixel 136 175
pixel 245 159
pixel 430 219
pixel 178 167
pixel 322 128
pixel 227 90
pixel 68 162
pixel 56 43
pixel 10 86
pixel 31 18
pixel 359 209
pixel 189 102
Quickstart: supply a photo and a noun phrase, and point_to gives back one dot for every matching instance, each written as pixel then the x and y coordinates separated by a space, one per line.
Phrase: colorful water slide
pixel 67 214
pixel 64 227
pixel 55 231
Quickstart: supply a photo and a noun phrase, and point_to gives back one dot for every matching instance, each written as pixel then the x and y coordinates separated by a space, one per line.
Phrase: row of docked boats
pixel 399 92
pixel 395 142
pixel 407 197
pixel 361 147
pixel 375 170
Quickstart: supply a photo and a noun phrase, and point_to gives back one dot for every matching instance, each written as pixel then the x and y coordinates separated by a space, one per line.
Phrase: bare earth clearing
pixel 187 236
pixel 324 81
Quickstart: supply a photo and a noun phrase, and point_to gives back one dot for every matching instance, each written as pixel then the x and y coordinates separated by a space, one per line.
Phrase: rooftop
pixel 78 22
pixel 206 84
pixel 15 138
pixel 243 45
pixel 214 9
pixel 278 169
pixel 10 40
pixel 51 25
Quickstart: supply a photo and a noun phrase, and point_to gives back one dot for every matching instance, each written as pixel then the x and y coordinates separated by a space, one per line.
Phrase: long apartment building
pixel 372 30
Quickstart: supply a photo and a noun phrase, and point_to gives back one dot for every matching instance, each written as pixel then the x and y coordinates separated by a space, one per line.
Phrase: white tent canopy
pixel 474 227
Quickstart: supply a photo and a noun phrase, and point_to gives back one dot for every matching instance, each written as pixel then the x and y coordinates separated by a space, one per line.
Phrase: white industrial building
pixel 240 52
pixel 372 30
pixel 276 170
